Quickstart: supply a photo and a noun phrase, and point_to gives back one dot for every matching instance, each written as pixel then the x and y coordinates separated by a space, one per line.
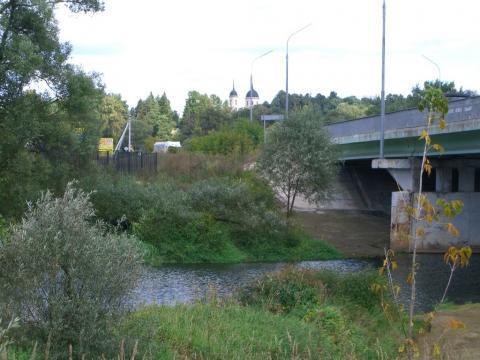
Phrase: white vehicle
pixel 162 146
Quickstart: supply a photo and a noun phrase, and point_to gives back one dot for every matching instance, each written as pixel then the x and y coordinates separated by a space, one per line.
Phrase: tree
pixel 46 136
pixel 113 116
pixel 299 158
pixel 153 120
pixel 44 143
pixel 29 47
pixel 202 114
pixel 67 276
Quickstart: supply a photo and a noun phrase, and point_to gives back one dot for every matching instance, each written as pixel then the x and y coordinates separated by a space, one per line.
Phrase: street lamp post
pixel 382 103
pixel 286 70
pixel 251 81
pixel 436 65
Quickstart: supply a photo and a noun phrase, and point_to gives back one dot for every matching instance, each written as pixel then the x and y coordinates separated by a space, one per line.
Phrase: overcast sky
pixel 181 45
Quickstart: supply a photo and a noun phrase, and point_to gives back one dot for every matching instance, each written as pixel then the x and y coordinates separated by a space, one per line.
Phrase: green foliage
pixel 153 121
pixel 46 144
pixel 221 219
pixel 286 315
pixel 68 277
pixel 240 138
pixel 284 292
pixel 113 116
pixel 30 50
pixel 202 114
pixel 353 287
pixel 299 158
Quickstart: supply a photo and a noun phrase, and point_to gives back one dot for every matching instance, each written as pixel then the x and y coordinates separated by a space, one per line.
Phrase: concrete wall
pixel 437 238
pixel 359 187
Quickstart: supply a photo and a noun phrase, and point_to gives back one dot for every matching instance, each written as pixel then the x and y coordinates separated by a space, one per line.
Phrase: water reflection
pixel 432 277
pixel 170 285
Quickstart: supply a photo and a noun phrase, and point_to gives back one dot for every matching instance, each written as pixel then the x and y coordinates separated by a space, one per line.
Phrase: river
pixel 169 285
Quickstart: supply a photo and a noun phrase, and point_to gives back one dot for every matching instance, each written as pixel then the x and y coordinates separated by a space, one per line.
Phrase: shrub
pixel 285 291
pixel 250 214
pixel 354 288
pixel 240 138
pixel 120 199
pixel 67 275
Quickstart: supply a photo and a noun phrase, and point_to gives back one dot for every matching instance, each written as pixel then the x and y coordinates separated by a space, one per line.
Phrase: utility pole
pixel 129 133
pixel 382 104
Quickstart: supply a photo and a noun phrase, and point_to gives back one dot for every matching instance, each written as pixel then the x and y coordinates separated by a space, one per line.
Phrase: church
pixel 251 98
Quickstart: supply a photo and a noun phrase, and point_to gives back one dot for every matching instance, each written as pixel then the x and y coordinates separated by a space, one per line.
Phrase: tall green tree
pixel 114 116
pixel 30 50
pixel 202 114
pixel 47 136
pixel 299 158
pixel 153 120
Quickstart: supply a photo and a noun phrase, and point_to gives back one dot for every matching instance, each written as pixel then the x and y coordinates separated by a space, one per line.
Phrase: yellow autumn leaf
pixel 428 140
pixel 428 169
pixel 420 232
pixel 442 124
pixel 410 279
pixel 456 324
pixel 396 289
pixel 394 265
pixel 423 135
pixel 438 147
pixel 452 229
pixel 436 350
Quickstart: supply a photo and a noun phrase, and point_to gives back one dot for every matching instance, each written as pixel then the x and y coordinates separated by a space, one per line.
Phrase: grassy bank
pixel 306 248
pixel 294 314
pixel 202 209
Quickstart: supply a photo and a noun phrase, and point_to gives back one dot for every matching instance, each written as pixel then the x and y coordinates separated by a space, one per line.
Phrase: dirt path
pixel 454 343
pixel 354 234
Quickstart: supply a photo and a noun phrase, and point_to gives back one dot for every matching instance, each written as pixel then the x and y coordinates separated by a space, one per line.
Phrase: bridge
pixel 360 138
pixel 389 184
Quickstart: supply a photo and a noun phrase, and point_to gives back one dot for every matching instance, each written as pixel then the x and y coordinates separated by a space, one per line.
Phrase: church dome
pixel 252 94
pixel 233 93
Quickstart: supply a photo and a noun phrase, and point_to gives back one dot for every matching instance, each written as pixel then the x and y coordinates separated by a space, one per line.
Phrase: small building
pixel 233 99
pixel 163 146
pixel 251 99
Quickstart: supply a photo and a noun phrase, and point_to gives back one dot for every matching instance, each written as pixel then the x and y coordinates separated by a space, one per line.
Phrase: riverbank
pixel 454 333
pixel 289 314
pixel 354 234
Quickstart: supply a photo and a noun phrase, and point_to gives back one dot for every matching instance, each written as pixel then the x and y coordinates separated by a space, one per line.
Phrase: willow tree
pixel 299 158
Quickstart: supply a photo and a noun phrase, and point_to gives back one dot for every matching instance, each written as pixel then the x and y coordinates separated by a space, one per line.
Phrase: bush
pixel 241 138
pixel 249 215
pixel 67 275
pixel 285 291
pixel 120 199
pixel 353 287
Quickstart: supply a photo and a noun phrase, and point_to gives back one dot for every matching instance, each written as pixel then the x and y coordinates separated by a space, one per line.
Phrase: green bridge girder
pixel 460 143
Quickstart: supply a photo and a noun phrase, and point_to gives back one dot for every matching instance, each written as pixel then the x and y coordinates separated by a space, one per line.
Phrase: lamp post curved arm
pixel 286 58
pixel 251 80
pixel 434 63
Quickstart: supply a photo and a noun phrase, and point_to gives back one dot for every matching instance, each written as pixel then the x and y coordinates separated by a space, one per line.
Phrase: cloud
pixel 181 45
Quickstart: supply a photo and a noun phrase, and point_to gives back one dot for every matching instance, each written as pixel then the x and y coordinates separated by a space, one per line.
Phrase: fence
pixel 129 162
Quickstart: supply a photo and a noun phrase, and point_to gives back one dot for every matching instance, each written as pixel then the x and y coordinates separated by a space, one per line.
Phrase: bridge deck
pixel 360 138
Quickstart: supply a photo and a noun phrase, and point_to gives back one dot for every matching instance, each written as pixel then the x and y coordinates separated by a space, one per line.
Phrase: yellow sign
pixel 105 145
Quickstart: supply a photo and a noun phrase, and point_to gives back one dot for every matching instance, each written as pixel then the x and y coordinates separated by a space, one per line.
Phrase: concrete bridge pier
pixel 451 179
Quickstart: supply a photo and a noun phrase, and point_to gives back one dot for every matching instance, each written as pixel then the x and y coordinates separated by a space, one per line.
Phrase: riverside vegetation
pixel 207 210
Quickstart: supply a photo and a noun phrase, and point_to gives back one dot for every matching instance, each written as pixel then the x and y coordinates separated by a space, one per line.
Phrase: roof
pixel 252 94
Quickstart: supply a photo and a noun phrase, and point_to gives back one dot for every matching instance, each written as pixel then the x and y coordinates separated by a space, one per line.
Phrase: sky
pixel 176 46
